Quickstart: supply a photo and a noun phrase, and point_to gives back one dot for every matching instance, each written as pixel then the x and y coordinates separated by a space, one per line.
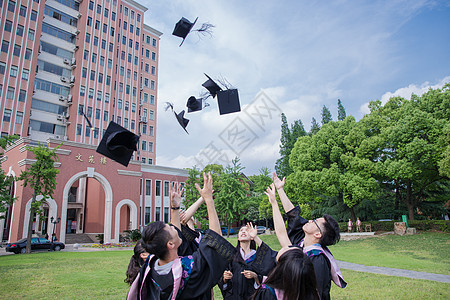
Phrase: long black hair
pixel 237 255
pixel 136 263
pixel 294 275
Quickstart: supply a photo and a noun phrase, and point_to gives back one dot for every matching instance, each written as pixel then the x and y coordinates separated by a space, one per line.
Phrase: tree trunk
pixel 409 200
pixel 352 211
pixel 30 224
pixel 398 196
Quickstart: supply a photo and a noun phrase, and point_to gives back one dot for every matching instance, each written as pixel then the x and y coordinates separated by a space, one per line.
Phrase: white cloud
pixel 302 54
pixel 406 92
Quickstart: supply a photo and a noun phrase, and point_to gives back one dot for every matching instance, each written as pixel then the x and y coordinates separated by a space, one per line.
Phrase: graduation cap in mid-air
pixel 184 27
pixel 118 143
pixel 211 86
pixel 193 104
pixel 180 116
pixel 228 101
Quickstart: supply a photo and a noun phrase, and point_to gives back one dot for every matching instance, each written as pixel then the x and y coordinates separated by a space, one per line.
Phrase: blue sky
pixel 300 55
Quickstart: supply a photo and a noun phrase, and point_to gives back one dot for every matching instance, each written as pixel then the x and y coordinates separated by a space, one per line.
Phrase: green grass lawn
pixel 424 252
pixel 100 274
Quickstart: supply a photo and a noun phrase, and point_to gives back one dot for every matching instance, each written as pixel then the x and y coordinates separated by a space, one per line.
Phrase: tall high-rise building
pixel 62 60
pixel 68 68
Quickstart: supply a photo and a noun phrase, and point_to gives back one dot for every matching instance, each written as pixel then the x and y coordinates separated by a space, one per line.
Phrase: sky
pixel 292 57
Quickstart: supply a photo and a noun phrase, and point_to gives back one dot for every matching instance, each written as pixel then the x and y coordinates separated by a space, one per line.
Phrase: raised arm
pixel 253 232
pixel 279 184
pixel 191 210
pixel 278 222
pixel 175 201
pixel 206 193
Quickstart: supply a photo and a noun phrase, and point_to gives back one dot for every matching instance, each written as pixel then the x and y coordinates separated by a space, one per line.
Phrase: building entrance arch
pixel 90 173
pixel 52 212
pixel 133 217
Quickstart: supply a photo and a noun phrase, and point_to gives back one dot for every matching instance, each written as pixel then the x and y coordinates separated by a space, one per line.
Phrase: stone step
pixel 80 238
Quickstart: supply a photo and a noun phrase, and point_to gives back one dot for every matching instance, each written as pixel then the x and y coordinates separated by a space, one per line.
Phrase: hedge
pixel 421 225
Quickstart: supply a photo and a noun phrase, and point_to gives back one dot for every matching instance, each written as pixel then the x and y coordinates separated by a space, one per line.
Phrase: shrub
pixel 422 225
pixel 133 235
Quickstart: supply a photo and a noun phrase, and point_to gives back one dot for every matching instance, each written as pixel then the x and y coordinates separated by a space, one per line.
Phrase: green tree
pixel 41 177
pixel 260 184
pixel 282 164
pixel 326 115
pixel 231 198
pixel 6 198
pixel 332 163
pixel 413 148
pixel 288 138
pixel 341 111
pixel 315 127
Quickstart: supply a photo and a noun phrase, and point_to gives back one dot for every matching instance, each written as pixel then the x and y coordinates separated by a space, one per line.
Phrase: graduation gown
pixel 239 287
pixel 193 275
pixel 189 239
pixel 320 262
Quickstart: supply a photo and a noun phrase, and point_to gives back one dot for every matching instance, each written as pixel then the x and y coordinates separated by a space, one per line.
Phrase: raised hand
pixel 279 184
pixel 175 195
pixel 270 192
pixel 252 231
pixel 207 190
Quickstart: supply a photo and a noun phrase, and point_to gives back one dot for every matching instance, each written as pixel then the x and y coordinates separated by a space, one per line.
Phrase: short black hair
pixel 155 238
pixel 331 233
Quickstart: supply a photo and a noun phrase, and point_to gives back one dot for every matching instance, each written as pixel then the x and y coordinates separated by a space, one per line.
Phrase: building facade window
pixel 158 188
pixel 10 93
pixel 13 71
pixel 19 30
pixel 33 15
pixel 5 46
pixel 25 74
pixel 8 25
pixel 28 54
pixel 22 95
pixel 19 117
pixel 11 6
pixel 7 115
pixel 31 34
pixel 16 51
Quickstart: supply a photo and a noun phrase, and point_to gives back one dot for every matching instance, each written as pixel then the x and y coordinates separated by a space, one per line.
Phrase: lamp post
pixel 54 222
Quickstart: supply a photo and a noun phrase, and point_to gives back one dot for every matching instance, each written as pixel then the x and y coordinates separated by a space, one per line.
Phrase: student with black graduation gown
pixel 248 266
pixel 313 236
pixel 293 276
pixel 167 276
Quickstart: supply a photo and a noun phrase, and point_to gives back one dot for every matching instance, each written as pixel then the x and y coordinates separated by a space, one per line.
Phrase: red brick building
pixel 61 59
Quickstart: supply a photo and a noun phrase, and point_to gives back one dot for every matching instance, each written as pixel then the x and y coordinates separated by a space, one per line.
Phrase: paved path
pixel 394 272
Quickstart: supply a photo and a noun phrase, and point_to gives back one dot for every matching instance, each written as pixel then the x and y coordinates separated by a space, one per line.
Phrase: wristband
pixel 175 208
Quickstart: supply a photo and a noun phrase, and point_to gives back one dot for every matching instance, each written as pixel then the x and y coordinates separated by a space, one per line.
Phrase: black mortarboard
pixel 193 104
pixel 228 101
pixel 211 86
pixel 183 27
pixel 182 120
pixel 118 143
